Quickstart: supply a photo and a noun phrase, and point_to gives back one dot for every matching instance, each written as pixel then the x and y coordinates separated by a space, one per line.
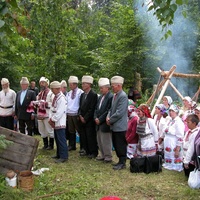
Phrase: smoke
pixel 176 50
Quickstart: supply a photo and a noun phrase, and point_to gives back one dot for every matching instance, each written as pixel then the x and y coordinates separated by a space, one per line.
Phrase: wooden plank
pixel 20 155
pixel 17 137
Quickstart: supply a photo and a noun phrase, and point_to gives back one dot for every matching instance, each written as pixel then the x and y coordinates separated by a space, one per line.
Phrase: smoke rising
pixel 176 50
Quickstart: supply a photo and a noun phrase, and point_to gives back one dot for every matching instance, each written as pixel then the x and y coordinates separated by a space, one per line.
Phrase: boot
pixel 51 144
pixel 45 141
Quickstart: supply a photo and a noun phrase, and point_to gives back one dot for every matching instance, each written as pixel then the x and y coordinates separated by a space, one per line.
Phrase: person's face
pixel 103 90
pixel 172 114
pixel 197 112
pixel 4 86
pixel 63 89
pixel 32 84
pixel 55 90
pixel 115 87
pixel 72 86
pixel 190 124
pixel 157 111
pixel 186 103
pixel 86 86
pixel 24 86
pixel 43 84
pixel 140 113
pixel 165 101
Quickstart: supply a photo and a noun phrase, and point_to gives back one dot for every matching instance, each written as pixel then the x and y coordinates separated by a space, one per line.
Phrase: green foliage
pixel 3 142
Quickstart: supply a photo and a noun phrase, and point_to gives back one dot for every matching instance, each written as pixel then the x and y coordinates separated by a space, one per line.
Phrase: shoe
pixel 119 167
pixel 91 156
pixel 60 160
pixel 81 151
pixel 55 157
pixel 115 164
pixel 49 148
pixel 107 161
pixel 99 159
pixel 70 148
pixel 83 154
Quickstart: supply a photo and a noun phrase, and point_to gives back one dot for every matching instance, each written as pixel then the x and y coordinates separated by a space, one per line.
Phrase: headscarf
pixel 145 110
pixel 169 99
pixel 174 107
pixel 162 108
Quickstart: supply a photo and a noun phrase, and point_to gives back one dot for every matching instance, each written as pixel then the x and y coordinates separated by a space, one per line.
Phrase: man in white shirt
pixel 73 102
pixel 7 105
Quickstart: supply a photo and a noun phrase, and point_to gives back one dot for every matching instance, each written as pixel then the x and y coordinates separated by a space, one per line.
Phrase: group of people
pixel 172 132
pixel 103 122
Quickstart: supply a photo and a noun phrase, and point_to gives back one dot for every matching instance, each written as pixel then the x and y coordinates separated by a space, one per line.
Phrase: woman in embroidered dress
pixel 131 135
pixel 161 119
pixel 186 110
pixel 147 131
pixel 173 140
pixel 167 101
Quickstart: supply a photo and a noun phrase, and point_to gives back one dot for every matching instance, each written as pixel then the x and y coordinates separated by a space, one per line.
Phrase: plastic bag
pixel 194 179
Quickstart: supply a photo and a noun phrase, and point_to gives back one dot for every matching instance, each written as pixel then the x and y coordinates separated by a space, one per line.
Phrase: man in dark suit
pixel 24 111
pixel 117 119
pixel 104 135
pixel 88 102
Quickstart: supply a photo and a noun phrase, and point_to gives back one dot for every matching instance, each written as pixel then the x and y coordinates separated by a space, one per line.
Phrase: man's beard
pixel 42 87
pixel 6 89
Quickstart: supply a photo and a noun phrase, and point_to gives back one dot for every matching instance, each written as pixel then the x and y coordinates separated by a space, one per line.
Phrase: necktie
pixel 73 94
pixel 115 96
pixel 101 101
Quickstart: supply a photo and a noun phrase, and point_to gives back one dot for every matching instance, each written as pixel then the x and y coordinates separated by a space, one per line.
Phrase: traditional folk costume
pixel 148 134
pixel 7 106
pixel 44 103
pixel 57 119
pixel 131 135
pixel 174 133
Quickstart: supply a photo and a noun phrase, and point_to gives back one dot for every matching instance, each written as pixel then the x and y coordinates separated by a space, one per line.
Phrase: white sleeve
pixel 153 129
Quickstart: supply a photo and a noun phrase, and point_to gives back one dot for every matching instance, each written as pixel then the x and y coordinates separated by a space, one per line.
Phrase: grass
pixel 88 179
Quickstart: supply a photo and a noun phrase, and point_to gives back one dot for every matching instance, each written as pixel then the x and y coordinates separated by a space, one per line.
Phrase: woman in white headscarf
pixel 173 140
pixel 167 101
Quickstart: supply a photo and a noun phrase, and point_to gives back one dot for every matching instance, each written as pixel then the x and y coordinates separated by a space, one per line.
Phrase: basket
pixel 26 180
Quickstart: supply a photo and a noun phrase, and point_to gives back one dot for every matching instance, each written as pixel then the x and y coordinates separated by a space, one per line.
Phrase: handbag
pixel 194 179
pixel 153 164
pixel 137 164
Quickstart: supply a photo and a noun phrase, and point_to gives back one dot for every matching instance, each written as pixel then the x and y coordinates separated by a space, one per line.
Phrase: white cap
pixel 169 99
pixel 24 80
pixel 44 79
pixel 4 81
pixel 63 83
pixel 55 84
pixel 73 79
pixel 87 79
pixel 103 82
pixel 187 98
pixel 117 79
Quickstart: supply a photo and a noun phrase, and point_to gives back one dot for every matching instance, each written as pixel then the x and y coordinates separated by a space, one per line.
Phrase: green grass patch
pixel 87 179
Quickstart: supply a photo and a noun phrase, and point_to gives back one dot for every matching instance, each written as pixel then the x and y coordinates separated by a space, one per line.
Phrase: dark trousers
pixel 190 169
pixel 23 124
pixel 120 145
pixel 61 143
pixel 73 126
pixel 7 122
pixel 88 138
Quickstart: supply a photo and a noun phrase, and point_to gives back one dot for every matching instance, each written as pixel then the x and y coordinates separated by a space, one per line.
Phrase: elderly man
pixel 73 102
pixel 57 120
pixel 88 100
pixel 104 135
pixel 45 99
pixel 22 105
pixel 7 105
pixel 117 119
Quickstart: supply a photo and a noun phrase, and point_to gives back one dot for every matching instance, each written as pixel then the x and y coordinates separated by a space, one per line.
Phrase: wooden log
pixel 177 92
pixel 19 155
pixel 180 75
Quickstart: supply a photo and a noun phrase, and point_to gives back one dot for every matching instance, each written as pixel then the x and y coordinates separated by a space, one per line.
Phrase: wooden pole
pixel 195 97
pixel 180 75
pixel 168 77
pixel 177 92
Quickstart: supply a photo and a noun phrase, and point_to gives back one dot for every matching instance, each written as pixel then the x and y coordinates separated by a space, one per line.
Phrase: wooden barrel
pixel 26 180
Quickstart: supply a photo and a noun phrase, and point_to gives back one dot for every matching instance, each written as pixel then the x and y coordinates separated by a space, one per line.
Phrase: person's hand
pixel 15 117
pixel 186 166
pixel 97 121
pixel 108 121
pixel 32 116
pixel 160 140
pixel 82 119
pixel 52 123
pixel 177 152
